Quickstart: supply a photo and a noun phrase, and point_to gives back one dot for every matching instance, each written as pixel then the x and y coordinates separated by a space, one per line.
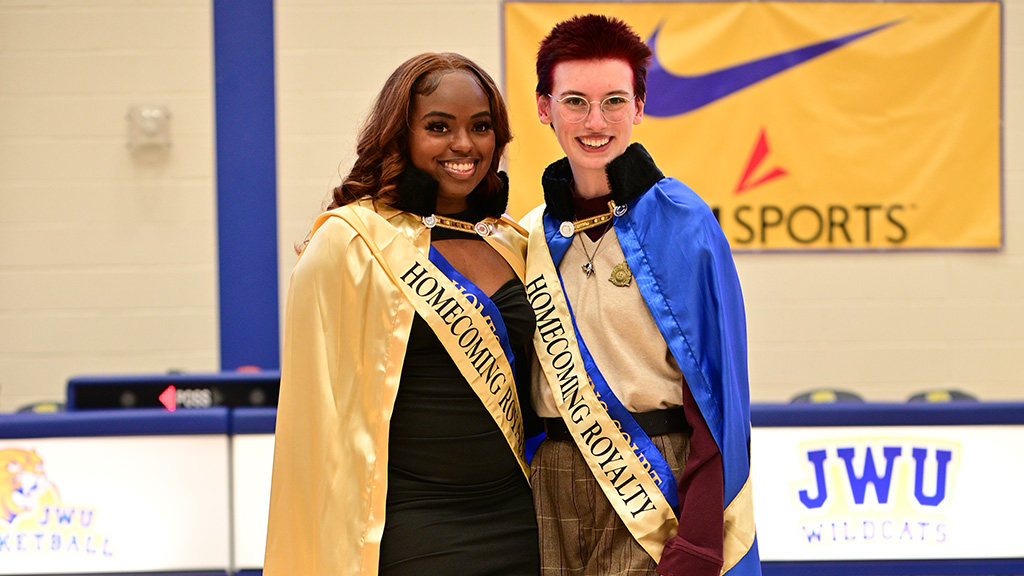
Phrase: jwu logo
pixel 882 489
pixel 33 518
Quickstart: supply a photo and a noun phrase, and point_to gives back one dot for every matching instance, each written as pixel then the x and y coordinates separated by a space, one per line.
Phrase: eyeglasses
pixel 575 108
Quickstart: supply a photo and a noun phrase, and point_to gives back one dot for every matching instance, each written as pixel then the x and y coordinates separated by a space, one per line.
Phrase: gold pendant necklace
pixel 484 227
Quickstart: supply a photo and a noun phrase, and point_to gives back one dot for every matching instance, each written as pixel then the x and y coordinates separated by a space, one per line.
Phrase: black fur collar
pixel 630 175
pixel 417 193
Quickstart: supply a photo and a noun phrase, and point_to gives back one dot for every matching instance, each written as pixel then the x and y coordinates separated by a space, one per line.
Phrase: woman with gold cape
pixel 399 441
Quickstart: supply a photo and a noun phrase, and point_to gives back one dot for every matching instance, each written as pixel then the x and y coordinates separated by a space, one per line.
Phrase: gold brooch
pixel 621 276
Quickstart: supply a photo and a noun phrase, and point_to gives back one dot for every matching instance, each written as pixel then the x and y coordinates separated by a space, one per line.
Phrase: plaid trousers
pixel 580 533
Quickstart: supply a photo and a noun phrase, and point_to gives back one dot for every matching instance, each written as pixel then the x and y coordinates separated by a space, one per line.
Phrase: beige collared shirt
pixel 619 331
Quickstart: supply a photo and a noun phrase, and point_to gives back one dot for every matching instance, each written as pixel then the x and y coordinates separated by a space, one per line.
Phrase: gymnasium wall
pixel 108 254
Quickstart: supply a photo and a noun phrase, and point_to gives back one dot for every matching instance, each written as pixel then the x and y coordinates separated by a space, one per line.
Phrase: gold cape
pixel 346 331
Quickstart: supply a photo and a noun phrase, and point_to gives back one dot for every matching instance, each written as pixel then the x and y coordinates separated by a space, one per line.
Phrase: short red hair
pixel 593 37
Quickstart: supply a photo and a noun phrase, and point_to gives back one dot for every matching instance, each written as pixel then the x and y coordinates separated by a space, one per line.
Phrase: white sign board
pixel 888 492
pixel 114 504
pixel 252 460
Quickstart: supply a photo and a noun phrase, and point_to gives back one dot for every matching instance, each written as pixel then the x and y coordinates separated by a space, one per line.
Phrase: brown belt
pixel 654 423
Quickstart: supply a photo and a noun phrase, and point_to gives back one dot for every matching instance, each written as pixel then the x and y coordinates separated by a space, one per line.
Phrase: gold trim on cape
pixel 571 227
pixel 739 527
pixel 619 471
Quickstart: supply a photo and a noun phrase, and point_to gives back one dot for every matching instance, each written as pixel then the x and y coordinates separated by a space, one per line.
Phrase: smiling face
pixel 451 137
pixel 593 142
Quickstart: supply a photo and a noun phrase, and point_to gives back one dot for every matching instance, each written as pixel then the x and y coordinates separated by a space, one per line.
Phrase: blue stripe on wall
pixel 243 45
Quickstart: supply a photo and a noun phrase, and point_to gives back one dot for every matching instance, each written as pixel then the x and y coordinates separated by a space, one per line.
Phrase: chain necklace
pixel 588 268
pixel 570 228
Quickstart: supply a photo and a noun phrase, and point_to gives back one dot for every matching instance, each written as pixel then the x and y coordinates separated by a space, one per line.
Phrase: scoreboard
pixel 174 391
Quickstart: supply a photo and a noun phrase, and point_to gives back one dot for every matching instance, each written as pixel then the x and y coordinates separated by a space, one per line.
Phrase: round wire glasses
pixel 573 108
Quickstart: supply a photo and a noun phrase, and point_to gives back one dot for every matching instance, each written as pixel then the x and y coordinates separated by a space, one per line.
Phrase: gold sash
pixel 632 492
pixel 463 331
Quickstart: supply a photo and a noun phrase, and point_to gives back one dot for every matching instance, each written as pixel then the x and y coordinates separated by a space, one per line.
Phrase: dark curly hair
pixel 382 151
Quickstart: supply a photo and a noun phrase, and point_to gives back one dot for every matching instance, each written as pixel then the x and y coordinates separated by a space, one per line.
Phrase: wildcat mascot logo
pixel 24 488
pixel 33 520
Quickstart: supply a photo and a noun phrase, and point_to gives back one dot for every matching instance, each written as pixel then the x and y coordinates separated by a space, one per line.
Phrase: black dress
pixel 457 500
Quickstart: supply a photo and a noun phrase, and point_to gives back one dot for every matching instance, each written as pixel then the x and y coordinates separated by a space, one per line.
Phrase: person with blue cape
pixel 641 362
pixel 399 448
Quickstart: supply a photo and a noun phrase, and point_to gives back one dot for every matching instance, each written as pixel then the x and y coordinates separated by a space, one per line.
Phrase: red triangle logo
pixel 748 181
pixel 169 398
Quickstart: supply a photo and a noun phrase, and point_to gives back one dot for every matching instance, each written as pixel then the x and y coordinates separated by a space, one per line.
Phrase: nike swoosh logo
pixel 671 95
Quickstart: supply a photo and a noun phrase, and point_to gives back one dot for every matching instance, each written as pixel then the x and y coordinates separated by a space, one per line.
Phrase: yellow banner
pixel 805 125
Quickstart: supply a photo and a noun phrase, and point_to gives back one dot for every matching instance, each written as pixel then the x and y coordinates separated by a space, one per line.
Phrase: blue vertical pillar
pixel 243 46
